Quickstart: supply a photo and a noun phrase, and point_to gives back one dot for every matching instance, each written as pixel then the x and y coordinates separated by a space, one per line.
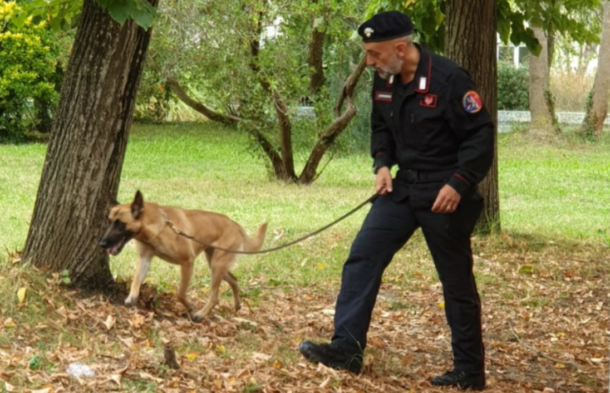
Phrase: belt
pixel 416 176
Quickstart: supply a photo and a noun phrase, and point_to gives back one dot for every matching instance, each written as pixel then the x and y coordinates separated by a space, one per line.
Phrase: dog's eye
pixel 118 225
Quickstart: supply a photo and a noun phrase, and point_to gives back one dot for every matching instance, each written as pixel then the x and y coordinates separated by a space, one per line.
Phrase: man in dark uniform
pixel 429 121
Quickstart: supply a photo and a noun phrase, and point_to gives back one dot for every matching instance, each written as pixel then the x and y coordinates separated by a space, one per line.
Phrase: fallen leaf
pixel 243 320
pixel 21 294
pixel 137 320
pixel 325 383
pixel 260 356
pixel 149 376
pixel 116 378
pixel 110 321
pixel 192 355
pixel 525 269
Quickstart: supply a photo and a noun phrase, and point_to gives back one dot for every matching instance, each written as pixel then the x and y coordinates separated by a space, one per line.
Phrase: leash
pixel 179 232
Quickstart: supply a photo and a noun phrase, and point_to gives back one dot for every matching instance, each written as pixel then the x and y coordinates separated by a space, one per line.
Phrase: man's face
pixel 384 56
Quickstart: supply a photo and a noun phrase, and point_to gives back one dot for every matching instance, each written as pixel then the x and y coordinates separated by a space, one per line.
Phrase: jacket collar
pixel 423 73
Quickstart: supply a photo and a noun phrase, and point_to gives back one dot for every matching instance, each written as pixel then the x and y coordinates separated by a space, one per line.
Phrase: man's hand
pixel 447 200
pixel 383 181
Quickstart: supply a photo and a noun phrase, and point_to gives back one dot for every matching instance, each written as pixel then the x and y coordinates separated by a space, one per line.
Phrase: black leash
pixel 179 232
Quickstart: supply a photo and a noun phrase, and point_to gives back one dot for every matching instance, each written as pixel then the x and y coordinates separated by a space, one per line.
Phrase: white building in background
pixel 519 53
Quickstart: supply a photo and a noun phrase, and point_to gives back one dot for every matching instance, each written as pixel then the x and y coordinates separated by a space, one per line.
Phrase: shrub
pixel 513 87
pixel 27 72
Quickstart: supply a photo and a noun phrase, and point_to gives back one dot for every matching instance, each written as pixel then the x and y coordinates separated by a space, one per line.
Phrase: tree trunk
pixel 597 110
pixel 85 154
pixel 540 108
pixel 315 55
pixel 285 134
pixel 470 41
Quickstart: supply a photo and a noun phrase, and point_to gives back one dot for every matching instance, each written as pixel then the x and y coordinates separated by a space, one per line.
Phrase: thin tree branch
pixel 350 85
pixel 328 136
pixel 177 89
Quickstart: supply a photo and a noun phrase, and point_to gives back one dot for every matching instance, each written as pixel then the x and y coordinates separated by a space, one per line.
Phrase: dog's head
pixel 125 223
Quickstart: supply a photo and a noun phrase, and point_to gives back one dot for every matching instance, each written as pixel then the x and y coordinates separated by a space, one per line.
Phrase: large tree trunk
pixel 598 107
pixel 540 101
pixel 85 154
pixel 470 41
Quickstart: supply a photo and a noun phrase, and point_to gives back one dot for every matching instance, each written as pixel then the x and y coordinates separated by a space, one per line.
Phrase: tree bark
pixel 598 108
pixel 470 41
pixel 539 89
pixel 87 147
pixel 315 55
pixel 285 133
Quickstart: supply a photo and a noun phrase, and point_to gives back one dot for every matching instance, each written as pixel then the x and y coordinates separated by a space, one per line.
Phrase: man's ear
pixel 401 49
pixel 137 206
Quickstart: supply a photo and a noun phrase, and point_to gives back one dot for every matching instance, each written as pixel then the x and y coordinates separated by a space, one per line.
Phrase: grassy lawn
pixel 543 280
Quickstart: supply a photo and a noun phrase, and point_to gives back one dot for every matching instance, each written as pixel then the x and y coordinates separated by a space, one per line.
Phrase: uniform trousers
pixel 387 227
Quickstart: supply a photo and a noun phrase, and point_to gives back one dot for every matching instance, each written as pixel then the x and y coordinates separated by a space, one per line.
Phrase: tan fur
pixel 155 238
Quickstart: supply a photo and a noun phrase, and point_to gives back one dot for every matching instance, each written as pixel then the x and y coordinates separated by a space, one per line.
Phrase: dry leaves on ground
pixel 546 324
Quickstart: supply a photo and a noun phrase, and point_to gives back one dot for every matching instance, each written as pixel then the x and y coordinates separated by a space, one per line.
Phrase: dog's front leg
pixel 186 271
pixel 141 271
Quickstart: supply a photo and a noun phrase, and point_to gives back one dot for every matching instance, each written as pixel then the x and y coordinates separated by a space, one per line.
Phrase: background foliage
pixel 513 85
pixel 210 52
pixel 28 77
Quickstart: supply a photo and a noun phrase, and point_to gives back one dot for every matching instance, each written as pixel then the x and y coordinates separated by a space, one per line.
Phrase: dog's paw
pixel 131 301
pixel 197 317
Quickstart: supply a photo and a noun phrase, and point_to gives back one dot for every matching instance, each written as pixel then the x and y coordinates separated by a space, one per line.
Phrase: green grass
pixel 545 272
pixel 559 191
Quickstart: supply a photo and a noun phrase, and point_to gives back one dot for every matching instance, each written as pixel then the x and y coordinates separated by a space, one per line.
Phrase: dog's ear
pixel 137 205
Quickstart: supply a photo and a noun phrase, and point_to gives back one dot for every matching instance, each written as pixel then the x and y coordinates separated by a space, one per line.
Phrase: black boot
pixel 331 356
pixel 461 380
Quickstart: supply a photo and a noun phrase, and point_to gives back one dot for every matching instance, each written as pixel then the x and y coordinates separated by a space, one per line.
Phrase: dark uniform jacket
pixel 434 128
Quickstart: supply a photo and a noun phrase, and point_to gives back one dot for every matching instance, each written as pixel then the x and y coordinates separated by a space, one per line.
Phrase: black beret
pixel 386 26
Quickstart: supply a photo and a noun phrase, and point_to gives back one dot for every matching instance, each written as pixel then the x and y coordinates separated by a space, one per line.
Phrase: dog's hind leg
pixel 219 266
pixel 232 280
pixel 144 259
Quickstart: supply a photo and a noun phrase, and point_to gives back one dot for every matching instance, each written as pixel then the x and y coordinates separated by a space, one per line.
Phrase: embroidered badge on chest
pixel 471 102
pixel 429 101
pixel 383 96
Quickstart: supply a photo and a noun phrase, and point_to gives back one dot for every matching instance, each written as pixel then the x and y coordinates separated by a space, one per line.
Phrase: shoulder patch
pixel 471 102
pixel 383 96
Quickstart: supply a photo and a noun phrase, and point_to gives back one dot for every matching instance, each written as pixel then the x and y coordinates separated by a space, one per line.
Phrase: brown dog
pixel 150 226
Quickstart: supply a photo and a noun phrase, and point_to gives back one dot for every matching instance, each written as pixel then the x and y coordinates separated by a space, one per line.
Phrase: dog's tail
pixel 255 243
